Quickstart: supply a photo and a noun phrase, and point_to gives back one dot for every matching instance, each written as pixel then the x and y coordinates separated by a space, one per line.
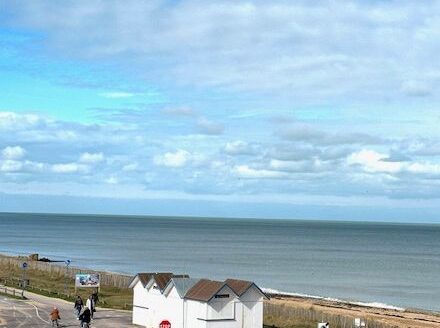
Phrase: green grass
pixel 54 285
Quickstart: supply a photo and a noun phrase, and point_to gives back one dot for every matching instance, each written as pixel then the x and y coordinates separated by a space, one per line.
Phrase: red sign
pixel 165 324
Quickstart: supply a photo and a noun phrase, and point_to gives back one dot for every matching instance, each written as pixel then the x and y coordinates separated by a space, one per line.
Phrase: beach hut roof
pixel 196 289
pixel 183 284
pixel 143 277
pixel 161 278
pixel 242 286
pixel 204 290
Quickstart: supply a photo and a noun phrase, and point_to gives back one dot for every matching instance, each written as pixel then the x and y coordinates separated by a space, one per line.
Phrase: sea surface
pixel 394 264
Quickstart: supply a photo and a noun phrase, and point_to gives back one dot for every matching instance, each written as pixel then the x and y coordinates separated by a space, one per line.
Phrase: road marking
pixel 26 316
pixel 38 314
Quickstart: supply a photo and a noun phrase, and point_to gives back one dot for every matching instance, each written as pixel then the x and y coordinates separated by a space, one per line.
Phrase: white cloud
pixel 280 45
pixel 14 121
pixel 91 158
pixel 177 159
pixel 115 95
pixel 238 147
pixel 244 171
pixel 130 167
pixel 13 152
pixel 373 161
pixel 424 168
pixel 291 166
pixel 11 166
pixel 69 168
pixel 17 166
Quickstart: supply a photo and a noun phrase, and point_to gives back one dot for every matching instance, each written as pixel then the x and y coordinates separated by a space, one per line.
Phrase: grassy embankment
pixel 51 280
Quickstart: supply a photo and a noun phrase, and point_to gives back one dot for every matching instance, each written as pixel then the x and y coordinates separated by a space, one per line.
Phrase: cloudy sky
pixel 282 109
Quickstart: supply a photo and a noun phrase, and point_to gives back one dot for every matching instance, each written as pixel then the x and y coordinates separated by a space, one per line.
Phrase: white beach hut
pixel 164 300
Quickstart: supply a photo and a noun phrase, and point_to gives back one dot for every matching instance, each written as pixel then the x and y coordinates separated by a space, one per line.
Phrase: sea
pixel 378 264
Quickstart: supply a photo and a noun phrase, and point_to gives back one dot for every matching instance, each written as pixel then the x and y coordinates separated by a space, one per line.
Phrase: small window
pixel 221 296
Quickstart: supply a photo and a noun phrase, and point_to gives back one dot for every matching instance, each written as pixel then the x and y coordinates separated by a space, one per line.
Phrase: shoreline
pixel 375 305
pixel 408 318
pixel 389 316
pixel 273 293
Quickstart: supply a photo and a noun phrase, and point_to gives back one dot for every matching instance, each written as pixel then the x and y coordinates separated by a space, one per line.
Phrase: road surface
pixel 34 312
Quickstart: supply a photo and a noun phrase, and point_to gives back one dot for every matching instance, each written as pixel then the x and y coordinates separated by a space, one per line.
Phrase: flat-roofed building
pixel 184 302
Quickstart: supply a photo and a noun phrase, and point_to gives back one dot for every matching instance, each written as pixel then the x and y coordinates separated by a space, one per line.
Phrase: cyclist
pixel 85 318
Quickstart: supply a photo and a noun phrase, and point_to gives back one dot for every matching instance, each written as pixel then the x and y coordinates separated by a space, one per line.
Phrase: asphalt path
pixel 34 312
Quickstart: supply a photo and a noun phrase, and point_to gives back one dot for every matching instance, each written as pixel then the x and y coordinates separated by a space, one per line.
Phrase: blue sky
pixel 325 110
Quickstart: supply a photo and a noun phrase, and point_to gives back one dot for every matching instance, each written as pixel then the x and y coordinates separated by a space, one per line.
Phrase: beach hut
pixel 178 301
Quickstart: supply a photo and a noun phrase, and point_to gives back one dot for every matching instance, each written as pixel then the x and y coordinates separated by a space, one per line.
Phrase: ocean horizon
pixel 395 264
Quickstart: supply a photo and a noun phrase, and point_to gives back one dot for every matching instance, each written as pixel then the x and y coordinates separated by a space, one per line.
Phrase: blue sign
pixel 67 262
pixel 24 265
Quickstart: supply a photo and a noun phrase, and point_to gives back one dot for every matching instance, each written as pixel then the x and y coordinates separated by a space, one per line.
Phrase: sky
pixel 266 109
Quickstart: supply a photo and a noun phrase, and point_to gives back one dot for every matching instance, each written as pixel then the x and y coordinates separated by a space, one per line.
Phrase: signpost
pixel 23 278
pixel 67 262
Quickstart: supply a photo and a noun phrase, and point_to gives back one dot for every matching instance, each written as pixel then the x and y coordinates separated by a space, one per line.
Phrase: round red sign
pixel 165 324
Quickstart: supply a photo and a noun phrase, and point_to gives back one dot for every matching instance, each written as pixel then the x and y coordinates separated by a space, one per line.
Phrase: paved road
pixel 34 313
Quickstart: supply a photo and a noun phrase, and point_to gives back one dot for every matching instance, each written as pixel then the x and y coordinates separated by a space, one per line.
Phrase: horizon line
pixel 223 218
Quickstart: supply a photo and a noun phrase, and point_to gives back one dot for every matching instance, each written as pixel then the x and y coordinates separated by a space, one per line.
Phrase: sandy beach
pixel 393 318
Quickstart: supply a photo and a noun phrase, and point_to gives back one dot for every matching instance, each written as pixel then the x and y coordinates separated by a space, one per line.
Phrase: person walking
pixel 78 306
pixel 55 316
pixel 95 297
pixel 91 305
pixel 85 317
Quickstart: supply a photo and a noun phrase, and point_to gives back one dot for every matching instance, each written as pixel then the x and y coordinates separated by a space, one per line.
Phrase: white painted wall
pixel 159 307
pixel 150 307
pixel 218 313
pixel 252 304
pixel 140 305
pixel 195 310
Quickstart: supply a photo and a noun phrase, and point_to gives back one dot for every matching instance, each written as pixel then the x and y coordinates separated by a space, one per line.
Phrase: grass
pixel 54 285
pixel 272 321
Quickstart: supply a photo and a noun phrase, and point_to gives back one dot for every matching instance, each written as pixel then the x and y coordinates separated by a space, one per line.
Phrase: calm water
pixel 369 262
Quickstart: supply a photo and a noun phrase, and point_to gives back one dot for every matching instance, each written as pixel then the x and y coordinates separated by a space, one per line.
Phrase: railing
pixel 11 291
